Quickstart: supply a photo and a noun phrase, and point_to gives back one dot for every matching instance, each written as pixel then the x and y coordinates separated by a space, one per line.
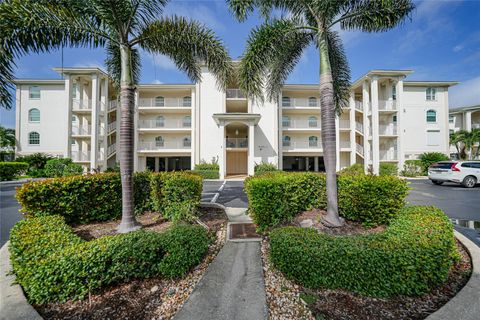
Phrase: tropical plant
pixel 123 27
pixel 7 138
pixel 275 47
pixel 455 140
pixel 429 158
pixel 469 139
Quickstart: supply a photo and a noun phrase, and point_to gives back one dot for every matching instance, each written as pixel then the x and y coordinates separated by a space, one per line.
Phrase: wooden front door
pixel 237 162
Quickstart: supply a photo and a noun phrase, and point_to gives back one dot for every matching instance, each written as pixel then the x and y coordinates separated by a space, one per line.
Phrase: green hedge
pixel 412 168
pixel 63 167
pixel 264 167
pixel 176 195
pixel 278 197
pixel 413 256
pixel 207 174
pixel 429 158
pixel 356 168
pixel 10 170
pixel 97 197
pixel 388 169
pixel 53 264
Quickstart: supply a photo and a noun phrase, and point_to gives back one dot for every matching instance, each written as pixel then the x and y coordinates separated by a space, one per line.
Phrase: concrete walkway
pixel 232 287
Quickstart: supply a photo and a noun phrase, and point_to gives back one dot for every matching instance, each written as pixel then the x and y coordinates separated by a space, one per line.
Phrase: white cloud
pixel 89 64
pixel 196 11
pixel 458 48
pixel 156 81
pixel 465 94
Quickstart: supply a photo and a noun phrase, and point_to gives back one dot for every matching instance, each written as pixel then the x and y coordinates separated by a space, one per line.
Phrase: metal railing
pixel 359 126
pixel 160 145
pixel 386 105
pixel 112 104
pixel 164 103
pixel 387 130
pixel 345 144
pixel 236 143
pixel 81 104
pixel 112 126
pixel 235 94
pixel 359 148
pixel 359 105
pixel 111 149
pixel 80 156
pixel 344 124
pixel 83 130
pixel 291 145
pixel 301 124
pixel 300 103
pixel 168 124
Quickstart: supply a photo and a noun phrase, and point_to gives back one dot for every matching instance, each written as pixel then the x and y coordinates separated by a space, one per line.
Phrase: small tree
pixel 429 158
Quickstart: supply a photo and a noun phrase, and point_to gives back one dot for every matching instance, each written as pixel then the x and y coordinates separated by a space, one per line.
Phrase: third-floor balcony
pixel 165 124
pixel 162 145
pixel 162 102
pixel 288 102
pixel 302 124
pixel 236 143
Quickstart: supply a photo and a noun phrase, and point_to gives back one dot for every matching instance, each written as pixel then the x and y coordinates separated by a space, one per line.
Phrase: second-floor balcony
pixel 164 103
pixel 475 125
pixel 178 124
pixel 81 130
pixel 160 145
pixel 301 124
pixel 300 102
pixel 297 144
pixel 359 148
pixel 387 130
pixel 236 143
pixel 345 145
pixel 387 105
pixel 81 104
pixel 359 126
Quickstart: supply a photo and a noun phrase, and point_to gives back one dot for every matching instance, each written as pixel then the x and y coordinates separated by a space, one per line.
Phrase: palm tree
pixel 274 48
pixel 455 141
pixel 7 138
pixel 469 139
pixel 122 27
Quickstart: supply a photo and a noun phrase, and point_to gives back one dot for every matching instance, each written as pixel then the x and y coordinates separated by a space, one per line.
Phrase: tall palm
pixel 7 138
pixel 122 27
pixel 455 141
pixel 275 48
pixel 469 140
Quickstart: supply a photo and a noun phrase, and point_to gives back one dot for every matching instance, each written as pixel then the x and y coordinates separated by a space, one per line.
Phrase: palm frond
pixel 113 63
pixel 374 15
pixel 189 44
pixel 241 8
pixel 340 71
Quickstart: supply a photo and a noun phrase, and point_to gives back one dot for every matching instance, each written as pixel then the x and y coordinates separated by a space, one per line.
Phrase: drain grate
pixel 240 231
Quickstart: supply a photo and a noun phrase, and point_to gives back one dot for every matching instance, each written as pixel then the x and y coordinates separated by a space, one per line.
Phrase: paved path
pixel 225 192
pixel 9 207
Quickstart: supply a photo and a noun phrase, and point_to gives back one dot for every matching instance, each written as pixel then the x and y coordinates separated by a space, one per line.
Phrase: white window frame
pixel 313 141
pixel 431 94
pixel 187 142
pixel 312 122
pixel 159 101
pixel 159 141
pixel 187 101
pixel 286 102
pixel 30 115
pixel 160 122
pixel 312 102
pixel 394 92
pixel 30 93
pixel 30 138
pixel 436 115
pixel 431 144
pixel 74 90
pixel 187 122
pixel 286 122
pixel 286 141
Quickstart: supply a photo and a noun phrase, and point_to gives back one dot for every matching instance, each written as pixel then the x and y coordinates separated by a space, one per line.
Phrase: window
pixel 285 121
pixel 312 102
pixel 159 101
pixel 74 118
pixel 431 116
pixel 160 122
pixel 159 142
pixel 394 92
pixel 312 141
pixel 451 119
pixel 34 138
pixel 34 115
pixel 187 142
pixel 34 92
pixel 286 141
pixel 72 142
pixel 187 101
pixel 433 137
pixel 286 102
pixel 74 90
pixel 312 122
pixel 187 122
pixel 431 92
pixel 394 118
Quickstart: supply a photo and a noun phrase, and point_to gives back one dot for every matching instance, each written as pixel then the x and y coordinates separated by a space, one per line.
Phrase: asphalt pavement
pixel 9 207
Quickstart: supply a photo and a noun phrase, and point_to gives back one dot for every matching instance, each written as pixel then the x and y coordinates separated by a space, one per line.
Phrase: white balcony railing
pixel 160 145
pixel 359 126
pixel 387 130
pixel 83 130
pixel 112 126
pixel 359 148
pixel 112 104
pixel 235 94
pixel 475 125
pixel 80 156
pixel 344 124
pixel 359 105
pixel 236 143
pixel 292 145
pixel 301 124
pixel 345 144
pixel 387 105
pixel 388 155
pixel 111 149
pixel 165 103
pixel 81 104
pixel 301 103
pixel 167 124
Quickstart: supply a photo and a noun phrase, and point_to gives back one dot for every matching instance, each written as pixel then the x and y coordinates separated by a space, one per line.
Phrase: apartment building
pixel 177 126
pixel 466 118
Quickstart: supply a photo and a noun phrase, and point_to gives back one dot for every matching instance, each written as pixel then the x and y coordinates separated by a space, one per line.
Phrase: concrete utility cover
pixel 240 231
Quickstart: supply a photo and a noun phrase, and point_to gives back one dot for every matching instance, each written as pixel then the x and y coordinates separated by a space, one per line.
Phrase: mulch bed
pixel 153 298
pixel 287 300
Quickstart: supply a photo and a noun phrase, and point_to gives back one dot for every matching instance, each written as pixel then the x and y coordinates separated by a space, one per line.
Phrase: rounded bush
pixel 10 170
pixel 411 257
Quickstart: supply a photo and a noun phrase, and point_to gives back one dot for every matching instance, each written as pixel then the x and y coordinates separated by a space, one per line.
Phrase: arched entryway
pixel 236 143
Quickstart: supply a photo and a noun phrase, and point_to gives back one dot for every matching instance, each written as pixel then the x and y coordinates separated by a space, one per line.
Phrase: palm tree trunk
pixel 127 109
pixel 329 141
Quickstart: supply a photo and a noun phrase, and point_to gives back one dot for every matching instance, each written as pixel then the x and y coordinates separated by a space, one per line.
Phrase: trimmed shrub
pixel 53 264
pixel 412 168
pixel 214 166
pixel 62 168
pixel 356 168
pixel 176 195
pixel 10 170
pixel 207 170
pixel 429 158
pixel 206 174
pixel 36 163
pixel 264 167
pixel 278 197
pixel 388 169
pixel 413 256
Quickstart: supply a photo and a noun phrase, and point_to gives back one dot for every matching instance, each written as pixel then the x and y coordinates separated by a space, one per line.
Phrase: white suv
pixel 466 173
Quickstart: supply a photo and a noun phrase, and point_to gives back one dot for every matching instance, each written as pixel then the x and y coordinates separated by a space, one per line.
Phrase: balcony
pixel 111 149
pixel 301 124
pixel 359 127
pixel 112 126
pixel 389 155
pixel 387 130
pixel 345 145
pixel 236 143
pixel 164 103
pixel 235 94
pixel 177 124
pixel 81 105
pixel 81 156
pixel 359 148
pixel 184 145
pixel 84 130
pixel 112 105
pixel 301 145
pixel 387 105
pixel 344 124
pixel 301 103
pixel 359 105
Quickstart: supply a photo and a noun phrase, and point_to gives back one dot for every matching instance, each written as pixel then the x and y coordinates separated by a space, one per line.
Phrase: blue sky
pixel 441 42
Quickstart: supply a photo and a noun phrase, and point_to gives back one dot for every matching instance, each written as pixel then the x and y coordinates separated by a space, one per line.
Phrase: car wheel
pixel 469 182
pixel 438 183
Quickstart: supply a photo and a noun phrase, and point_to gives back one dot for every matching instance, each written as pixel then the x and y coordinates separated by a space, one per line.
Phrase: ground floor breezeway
pixel 159 164
pixel 303 163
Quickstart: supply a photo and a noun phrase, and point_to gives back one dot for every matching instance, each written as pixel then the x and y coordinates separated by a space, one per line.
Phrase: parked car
pixel 466 173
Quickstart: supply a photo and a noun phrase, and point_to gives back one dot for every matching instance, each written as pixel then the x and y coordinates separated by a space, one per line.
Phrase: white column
pixel 135 133
pixel 221 159
pixel 315 164
pixel 307 167
pixel 366 126
pixel 198 127
pixel 353 147
pixel 375 136
pixel 400 123
pixel 95 122
pixel 68 89
pixel 104 99
pixel 157 165
pixel 18 119
pixel 467 125
pixel 193 131
pixel 280 133
pixel 251 149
